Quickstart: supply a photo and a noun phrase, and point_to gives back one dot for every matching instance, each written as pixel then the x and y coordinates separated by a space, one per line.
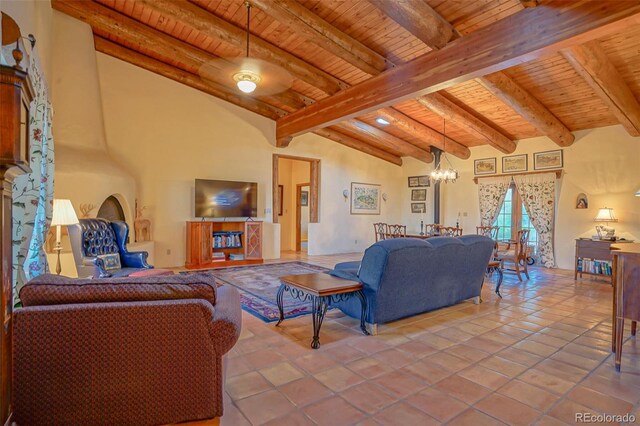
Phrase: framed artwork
pixel 582 202
pixel 418 207
pixel 548 160
pixel 304 198
pixel 514 163
pixel 418 195
pixel 365 198
pixel 281 198
pixel 419 181
pixel 484 166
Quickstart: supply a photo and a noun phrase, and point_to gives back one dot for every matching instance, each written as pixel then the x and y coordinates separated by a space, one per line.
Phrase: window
pixel 512 217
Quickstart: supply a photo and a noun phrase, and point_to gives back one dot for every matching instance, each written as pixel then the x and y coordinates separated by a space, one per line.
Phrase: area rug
pixel 259 284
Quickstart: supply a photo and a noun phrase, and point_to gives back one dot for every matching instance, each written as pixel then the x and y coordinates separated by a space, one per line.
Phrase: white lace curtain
pixel 33 192
pixel 538 193
pixel 492 191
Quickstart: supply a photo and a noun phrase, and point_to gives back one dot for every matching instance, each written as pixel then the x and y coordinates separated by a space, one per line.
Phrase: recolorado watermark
pixel 605 418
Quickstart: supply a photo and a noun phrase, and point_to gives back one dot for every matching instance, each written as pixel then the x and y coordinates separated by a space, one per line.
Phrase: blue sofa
pixel 94 237
pixel 407 276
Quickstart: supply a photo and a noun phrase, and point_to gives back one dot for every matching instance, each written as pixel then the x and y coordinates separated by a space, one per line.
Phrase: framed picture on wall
pixel 485 166
pixel 304 198
pixel 365 198
pixel 514 163
pixel 548 160
pixel 418 195
pixel 419 181
pixel 281 198
pixel 418 207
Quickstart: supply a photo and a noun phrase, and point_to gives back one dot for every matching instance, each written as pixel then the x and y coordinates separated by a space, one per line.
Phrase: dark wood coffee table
pixel 322 290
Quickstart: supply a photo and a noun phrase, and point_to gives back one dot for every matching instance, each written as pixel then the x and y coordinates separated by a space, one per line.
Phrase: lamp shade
pixel 605 215
pixel 63 213
pixel 637 194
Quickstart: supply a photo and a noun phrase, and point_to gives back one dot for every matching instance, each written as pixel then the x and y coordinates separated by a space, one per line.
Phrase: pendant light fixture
pixel 246 80
pixel 439 174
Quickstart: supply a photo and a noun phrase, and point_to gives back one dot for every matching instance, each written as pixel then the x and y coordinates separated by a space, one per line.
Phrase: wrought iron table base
pixel 319 306
pixel 500 277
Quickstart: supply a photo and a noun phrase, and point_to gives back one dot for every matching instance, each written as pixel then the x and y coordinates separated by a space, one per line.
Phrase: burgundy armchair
pixel 125 351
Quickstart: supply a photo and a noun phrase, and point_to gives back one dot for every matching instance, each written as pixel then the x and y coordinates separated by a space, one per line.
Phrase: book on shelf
pixel 218 255
pixel 592 266
pixel 230 239
pixel 234 256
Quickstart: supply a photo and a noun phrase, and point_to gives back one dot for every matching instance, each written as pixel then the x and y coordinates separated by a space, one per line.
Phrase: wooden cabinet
pixel 626 293
pixel 15 97
pixel 207 242
pixel 593 257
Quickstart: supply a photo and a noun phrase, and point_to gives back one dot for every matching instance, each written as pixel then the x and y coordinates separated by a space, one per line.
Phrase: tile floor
pixel 538 356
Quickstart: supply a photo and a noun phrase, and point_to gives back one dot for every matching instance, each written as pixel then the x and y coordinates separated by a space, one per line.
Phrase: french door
pixel 512 217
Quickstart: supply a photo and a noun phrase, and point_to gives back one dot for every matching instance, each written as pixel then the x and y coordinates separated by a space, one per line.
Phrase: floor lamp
pixel 63 215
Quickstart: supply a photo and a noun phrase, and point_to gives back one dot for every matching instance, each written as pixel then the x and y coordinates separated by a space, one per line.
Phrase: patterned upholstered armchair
pixel 92 239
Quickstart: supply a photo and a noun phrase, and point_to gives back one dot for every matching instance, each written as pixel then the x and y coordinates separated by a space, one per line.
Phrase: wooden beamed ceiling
pixel 358 60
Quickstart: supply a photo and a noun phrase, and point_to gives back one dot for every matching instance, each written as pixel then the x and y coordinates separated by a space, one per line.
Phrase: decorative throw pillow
pixel 111 261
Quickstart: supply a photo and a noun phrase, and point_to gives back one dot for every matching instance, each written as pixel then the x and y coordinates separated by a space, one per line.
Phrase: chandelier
pixel 440 174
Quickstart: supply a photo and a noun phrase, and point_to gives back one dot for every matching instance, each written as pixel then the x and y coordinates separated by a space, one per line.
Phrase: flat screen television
pixel 223 198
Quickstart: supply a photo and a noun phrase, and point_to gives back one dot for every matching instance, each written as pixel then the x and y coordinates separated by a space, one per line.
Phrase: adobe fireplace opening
pixel 111 209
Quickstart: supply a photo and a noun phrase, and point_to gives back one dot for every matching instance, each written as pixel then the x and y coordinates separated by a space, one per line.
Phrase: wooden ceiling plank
pixel 209 24
pixel 315 28
pixel 341 138
pixel 387 140
pixel 417 17
pixel 158 67
pixel 512 94
pixel 591 62
pixel 493 48
pixel 456 114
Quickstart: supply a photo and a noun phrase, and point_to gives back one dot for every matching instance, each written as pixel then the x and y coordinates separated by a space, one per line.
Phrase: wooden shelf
pixel 200 247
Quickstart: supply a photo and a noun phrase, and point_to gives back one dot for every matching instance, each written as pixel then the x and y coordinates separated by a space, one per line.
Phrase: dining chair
pixel 450 231
pixel 516 252
pixel 488 231
pixel 431 228
pixel 396 231
pixel 380 230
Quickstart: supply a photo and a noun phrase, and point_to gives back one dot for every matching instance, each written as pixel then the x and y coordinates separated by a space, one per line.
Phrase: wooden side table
pixel 323 290
pixel 626 293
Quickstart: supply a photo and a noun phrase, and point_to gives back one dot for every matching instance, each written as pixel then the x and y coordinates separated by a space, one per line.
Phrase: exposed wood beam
pixel 425 133
pixel 107 21
pixel 209 24
pixel 472 124
pixel 135 58
pixel 498 46
pixel 312 27
pixel 591 62
pixel 387 140
pixel 522 102
pixel 418 18
pixel 529 3
pixel 341 138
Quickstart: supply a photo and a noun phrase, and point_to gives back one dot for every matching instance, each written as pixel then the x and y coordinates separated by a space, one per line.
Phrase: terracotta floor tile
pixel 417 349
pixel 448 362
pixel 394 358
pixel 344 353
pixel 426 370
pixel 473 417
pixel 468 352
pixel 604 404
pixel 533 396
pixel 546 381
pixel 437 404
pixel 535 348
pixel 305 391
pixel 436 341
pixel 245 385
pixel 508 410
pixel 606 386
pixel 400 384
pixel 279 374
pixel 463 389
pixel 368 397
pixel 369 368
pixel 265 406
pixel 576 360
pixel 566 411
pixel 291 419
pixel 261 359
pixel 404 414
pixel 563 370
pixel 503 366
pixel 334 411
pixel 484 376
pixel 338 378
pixel 520 356
pixel 315 362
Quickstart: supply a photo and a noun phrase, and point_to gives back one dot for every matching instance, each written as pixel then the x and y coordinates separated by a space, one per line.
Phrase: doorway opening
pixel 295 200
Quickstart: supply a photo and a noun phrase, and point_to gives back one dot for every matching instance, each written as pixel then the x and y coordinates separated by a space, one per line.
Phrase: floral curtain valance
pixel 33 192
pixel 538 193
pixel 492 191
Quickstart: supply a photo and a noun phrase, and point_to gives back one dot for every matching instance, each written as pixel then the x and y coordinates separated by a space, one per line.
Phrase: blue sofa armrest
pixel 346 270
pixel 135 259
pixel 96 265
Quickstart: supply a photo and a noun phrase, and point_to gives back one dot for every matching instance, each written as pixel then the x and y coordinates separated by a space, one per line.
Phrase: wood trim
pixel 558 173
pixel 299 214
pixel 591 62
pixel 275 194
pixel 493 48
pixel 314 186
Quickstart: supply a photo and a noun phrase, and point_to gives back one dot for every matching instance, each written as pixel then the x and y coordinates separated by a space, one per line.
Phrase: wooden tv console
pixel 200 243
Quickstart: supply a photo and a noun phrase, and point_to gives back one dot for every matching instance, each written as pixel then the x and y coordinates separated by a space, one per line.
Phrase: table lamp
pixel 63 215
pixel 605 215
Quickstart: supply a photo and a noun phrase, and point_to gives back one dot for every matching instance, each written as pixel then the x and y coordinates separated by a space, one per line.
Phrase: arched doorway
pixel 111 209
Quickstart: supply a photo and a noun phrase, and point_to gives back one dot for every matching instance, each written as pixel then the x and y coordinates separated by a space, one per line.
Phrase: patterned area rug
pixel 259 284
